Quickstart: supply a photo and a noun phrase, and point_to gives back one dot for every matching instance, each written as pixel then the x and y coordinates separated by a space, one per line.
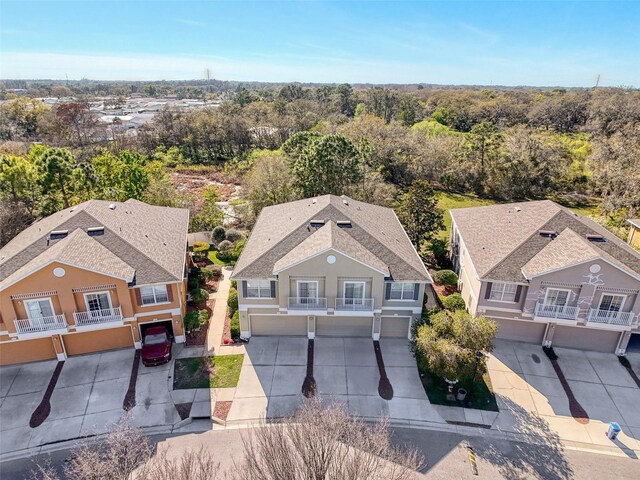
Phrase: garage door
pixel 521 331
pixel 344 326
pixel 26 351
pixel 585 338
pixel 395 327
pixel 87 342
pixel 278 325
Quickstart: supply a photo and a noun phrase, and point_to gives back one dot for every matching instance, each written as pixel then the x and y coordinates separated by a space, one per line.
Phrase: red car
pixel 156 346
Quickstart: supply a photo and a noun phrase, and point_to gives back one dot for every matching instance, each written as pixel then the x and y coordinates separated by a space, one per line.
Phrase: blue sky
pixel 493 43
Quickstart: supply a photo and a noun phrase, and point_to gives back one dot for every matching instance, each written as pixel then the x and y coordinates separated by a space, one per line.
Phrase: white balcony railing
pixel 95 317
pixel 556 311
pixel 304 303
pixel 41 324
pixel 354 304
pixel 610 318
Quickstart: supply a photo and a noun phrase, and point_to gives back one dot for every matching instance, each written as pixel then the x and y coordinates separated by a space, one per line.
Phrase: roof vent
pixel 314 201
pixel 314 223
pixel 93 231
pixel 518 209
pixel 344 223
pixel 595 238
pixel 345 201
pixel 58 234
pixel 112 206
pixel 548 233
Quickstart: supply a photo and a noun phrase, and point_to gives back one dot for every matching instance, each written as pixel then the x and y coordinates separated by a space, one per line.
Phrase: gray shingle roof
pixel 150 239
pixel 500 254
pixel 282 228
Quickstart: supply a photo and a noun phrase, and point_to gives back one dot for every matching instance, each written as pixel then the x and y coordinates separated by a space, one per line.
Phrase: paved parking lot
pixel 528 390
pixel 345 370
pixel 87 399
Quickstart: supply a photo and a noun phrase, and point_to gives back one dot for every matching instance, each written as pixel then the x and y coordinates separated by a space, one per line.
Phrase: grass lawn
pixel 482 396
pixel 207 372
pixel 213 256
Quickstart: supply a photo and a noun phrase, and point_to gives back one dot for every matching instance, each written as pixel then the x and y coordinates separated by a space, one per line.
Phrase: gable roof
pixel 282 228
pixel 148 238
pixel 500 254
pixel 330 236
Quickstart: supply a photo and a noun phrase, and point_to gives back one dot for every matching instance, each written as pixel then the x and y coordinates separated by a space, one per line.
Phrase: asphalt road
pixel 447 457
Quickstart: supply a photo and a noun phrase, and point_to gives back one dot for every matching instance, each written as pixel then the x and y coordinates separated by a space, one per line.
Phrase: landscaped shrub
pixel 235 325
pixel 216 271
pixel 200 249
pixel 199 295
pixel 234 284
pixel 234 235
pixel 232 301
pixel 218 234
pixel 195 319
pixel 454 302
pixel 193 283
pixel 225 250
pixel 206 274
pixel 446 277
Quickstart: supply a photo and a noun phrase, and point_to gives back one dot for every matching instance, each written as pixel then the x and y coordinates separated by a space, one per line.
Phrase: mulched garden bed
pixel 385 389
pixel 197 338
pixel 221 410
pixel 226 330
pixel 309 387
pixel 43 410
pixel 130 396
pixel 444 290
pixel 184 409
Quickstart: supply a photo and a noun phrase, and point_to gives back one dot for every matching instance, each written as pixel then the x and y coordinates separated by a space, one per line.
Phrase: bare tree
pixel 321 442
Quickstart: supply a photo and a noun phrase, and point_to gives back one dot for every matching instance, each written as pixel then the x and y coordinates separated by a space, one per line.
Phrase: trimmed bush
pixel 193 283
pixel 234 235
pixel 199 295
pixel 234 284
pixel 218 234
pixel 195 319
pixel 235 325
pixel 206 274
pixel 446 277
pixel 200 249
pixel 232 301
pixel 216 271
pixel 454 302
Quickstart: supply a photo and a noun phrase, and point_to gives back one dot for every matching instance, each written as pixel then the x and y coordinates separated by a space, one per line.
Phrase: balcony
pixel 41 324
pixel 561 312
pixel 607 317
pixel 96 317
pixel 354 304
pixel 304 303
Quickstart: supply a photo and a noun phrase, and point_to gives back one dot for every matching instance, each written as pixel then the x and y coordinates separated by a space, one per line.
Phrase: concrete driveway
pixel 345 370
pixel 87 399
pixel 529 392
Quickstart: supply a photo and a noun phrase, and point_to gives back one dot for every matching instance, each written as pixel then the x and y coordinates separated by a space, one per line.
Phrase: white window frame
pixel 503 292
pixel 546 295
pixel 31 300
pixel 403 286
pixel 360 299
pixel 155 295
pixel 298 282
pixel 624 300
pixel 260 287
pixel 86 301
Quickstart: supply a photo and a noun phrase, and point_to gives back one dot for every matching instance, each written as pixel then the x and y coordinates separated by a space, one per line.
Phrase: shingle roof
pixel 281 228
pixel 150 239
pixel 500 253
pixel 330 236
pixel 635 222
pixel 78 249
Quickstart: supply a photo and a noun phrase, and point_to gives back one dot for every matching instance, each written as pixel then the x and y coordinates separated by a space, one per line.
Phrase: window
pixel 503 292
pixel 354 293
pixel 401 291
pixel 556 297
pixel 611 303
pixel 154 294
pixel 259 289
pixel 307 291
pixel 40 308
pixel 97 301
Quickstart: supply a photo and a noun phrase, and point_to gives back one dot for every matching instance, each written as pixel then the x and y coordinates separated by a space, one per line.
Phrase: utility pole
pixel 597 81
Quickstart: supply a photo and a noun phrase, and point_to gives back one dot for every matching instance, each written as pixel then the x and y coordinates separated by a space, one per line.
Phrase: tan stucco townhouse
pixel 90 278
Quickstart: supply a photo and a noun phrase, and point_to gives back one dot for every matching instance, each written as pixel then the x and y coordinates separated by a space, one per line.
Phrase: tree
pixel 122 176
pixel 346 104
pixel 328 164
pixel 296 143
pixel 75 122
pixel 324 442
pixel 419 213
pixel 448 344
pixel 57 166
pixel 25 115
pixel 18 177
pixel 409 111
pixel 270 182
pixel 209 215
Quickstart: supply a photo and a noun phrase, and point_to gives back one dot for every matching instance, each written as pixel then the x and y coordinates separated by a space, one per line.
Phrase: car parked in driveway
pixel 156 346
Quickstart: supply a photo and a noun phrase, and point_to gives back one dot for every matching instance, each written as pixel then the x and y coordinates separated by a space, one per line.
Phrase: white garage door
pixel 585 338
pixel 344 326
pixel 395 326
pixel 278 325
pixel 521 331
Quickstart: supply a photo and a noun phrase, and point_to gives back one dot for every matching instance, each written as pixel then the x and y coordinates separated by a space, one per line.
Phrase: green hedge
pixel 446 277
pixel 195 319
pixel 235 325
pixel 232 301
pixel 454 302
pixel 199 295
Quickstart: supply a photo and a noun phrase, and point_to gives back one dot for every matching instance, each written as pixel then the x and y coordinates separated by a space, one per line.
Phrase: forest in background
pixel 580 147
